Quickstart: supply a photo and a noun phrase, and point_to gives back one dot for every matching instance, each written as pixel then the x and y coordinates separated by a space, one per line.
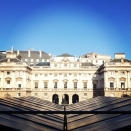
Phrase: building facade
pixel 63 79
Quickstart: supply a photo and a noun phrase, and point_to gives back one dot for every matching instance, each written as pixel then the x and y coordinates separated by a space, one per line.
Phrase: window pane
pixel 85 84
pixel 45 84
pixel 36 84
pixel 65 85
pixel 19 85
pixel 8 81
pixel 75 84
pixel 55 85
pixel 122 85
pixel 111 85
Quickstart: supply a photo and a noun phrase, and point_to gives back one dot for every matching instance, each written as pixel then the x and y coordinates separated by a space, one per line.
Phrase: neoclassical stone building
pixel 64 78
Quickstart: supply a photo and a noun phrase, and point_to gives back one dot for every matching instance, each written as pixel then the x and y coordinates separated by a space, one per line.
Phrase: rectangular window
pixel 85 94
pixel 55 75
pixel 94 86
pixel 111 85
pixel 8 82
pixel 85 85
pixel 65 85
pixel 36 84
pixel 19 85
pixel 45 85
pixel 122 85
pixel 18 94
pixel 75 85
pixel 45 74
pixel 65 65
pixel 36 75
pixel 75 65
pixel 55 85
pixel 45 94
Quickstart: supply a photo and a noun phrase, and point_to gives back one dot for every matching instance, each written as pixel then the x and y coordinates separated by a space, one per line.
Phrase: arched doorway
pixel 75 98
pixel 65 99
pixel 55 99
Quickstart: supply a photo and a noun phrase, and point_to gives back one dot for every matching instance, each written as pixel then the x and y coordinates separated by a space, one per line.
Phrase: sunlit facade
pixel 63 79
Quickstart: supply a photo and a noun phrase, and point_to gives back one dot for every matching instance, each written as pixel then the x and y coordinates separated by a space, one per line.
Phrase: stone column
pixel 13 81
pixel 2 79
pixel 41 84
pixel 70 98
pixel 24 80
pixel 105 80
pixel 117 80
pixel 128 79
pixel 60 98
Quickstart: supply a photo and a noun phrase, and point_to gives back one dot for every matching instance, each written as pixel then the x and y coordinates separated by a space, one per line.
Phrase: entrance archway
pixel 75 98
pixel 65 99
pixel 55 99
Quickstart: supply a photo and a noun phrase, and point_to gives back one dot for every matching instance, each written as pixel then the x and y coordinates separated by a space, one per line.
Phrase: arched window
pixel 75 98
pixel 65 99
pixel 55 99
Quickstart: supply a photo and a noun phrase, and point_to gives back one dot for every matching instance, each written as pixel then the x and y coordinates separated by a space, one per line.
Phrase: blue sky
pixel 66 26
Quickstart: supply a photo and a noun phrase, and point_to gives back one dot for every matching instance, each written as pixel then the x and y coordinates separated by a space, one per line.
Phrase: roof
pixel 119 60
pixel 100 122
pixel 34 54
pixel 75 122
pixel 89 54
pixel 92 54
pixel 2 56
pixel 30 122
pixel 11 60
pixel 43 64
pixel 87 64
pixel 65 55
pixel 120 53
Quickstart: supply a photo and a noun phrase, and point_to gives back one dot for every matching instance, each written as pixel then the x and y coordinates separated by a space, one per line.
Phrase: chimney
pixel 18 52
pixel 40 53
pixel 29 53
pixel 12 49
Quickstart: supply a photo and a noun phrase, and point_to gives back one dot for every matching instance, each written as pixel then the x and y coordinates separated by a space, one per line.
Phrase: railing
pixel 65 113
pixel 44 89
pixel 117 89
pixel 62 89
